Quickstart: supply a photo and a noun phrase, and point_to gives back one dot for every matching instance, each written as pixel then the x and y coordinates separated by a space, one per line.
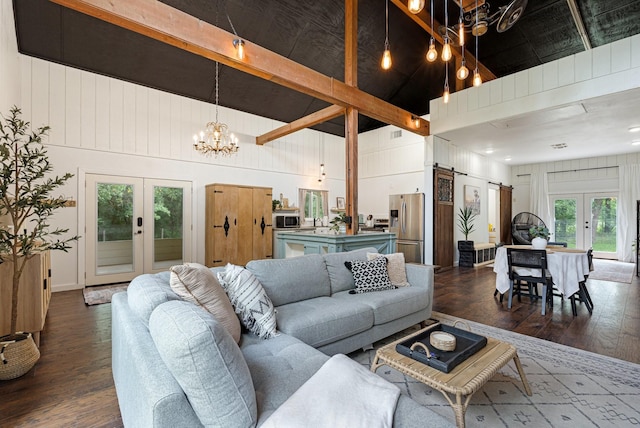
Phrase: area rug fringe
pixel 571 387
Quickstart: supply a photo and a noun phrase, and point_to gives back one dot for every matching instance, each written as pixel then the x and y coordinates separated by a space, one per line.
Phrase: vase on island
pixel 539 243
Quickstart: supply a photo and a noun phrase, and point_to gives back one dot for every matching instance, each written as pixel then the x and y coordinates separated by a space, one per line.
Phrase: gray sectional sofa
pixel 316 317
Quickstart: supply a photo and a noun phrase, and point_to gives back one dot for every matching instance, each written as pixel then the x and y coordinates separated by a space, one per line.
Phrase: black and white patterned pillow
pixel 249 300
pixel 370 275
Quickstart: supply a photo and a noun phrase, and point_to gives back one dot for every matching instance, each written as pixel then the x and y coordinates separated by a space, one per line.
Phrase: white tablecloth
pixel 567 268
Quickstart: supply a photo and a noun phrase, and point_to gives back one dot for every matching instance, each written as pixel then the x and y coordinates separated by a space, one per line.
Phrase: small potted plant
pixel 539 237
pixel 466 216
pixel 339 223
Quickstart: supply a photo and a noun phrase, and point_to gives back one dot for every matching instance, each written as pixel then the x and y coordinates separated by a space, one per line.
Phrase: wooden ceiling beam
pixel 423 19
pixel 308 121
pixel 161 22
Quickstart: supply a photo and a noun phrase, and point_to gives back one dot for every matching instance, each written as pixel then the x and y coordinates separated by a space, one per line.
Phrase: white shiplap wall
pixel 107 126
pixel 9 63
pixel 388 166
pixel 604 70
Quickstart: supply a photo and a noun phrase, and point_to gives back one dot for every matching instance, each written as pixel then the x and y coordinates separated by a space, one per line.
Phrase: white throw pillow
pixel 395 267
pixel 195 283
pixel 250 300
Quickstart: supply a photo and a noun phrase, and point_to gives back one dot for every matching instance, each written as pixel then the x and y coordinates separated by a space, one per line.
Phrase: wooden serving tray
pixel 467 344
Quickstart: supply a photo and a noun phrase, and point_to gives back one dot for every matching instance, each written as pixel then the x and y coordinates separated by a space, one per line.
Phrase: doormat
pixel 97 295
pixel 571 387
pixel 612 270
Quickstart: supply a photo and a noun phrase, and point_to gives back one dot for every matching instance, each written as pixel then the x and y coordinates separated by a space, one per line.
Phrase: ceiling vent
pixel 396 134
pixel 559 146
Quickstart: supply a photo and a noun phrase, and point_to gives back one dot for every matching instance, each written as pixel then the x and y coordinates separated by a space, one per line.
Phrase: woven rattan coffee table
pixel 464 380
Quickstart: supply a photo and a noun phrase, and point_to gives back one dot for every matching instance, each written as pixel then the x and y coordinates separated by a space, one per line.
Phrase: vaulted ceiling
pixel 312 33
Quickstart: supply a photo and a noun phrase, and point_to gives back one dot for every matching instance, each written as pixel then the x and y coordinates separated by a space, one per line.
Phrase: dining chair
pixel 581 296
pixel 528 268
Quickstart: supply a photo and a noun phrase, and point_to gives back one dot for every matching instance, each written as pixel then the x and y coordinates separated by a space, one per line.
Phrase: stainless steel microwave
pixel 287 221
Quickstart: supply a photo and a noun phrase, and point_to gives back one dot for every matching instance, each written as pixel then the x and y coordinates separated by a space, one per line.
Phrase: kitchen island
pixel 322 241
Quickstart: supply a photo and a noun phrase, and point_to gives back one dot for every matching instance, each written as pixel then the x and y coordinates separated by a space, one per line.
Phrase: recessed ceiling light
pixel 488 151
pixel 507 158
pixel 635 143
pixel 635 128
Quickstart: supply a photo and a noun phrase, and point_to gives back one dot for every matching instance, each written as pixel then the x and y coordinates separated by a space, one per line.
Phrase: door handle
pixel 139 221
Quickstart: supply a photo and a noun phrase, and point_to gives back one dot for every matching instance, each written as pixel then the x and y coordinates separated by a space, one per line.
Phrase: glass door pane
pixel 115 228
pixel 566 221
pixel 167 226
pixel 167 209
pixel 114 238
pixel 601 230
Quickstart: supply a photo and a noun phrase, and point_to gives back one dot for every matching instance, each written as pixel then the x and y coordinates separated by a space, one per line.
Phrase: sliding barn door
pixel 505 215
pixel 443 218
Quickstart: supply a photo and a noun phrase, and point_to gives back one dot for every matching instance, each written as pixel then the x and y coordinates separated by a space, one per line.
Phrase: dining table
pixel 567 267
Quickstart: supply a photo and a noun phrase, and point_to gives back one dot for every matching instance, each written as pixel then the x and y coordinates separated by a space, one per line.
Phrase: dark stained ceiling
pixel 311 33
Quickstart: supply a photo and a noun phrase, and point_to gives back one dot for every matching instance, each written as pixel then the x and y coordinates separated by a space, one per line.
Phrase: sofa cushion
pixel 206 362
pixel 195 283
pixel 250 300
pixel 395 268
pixel 292 279
pixel 341 277
pixel 390 305
pixel 370 275
pixel 147 291
pixel 324 320
pixel 278 366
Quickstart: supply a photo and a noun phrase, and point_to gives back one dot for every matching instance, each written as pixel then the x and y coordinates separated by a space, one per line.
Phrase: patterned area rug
pixel 612 270
pixel 97 295
pixel 571 387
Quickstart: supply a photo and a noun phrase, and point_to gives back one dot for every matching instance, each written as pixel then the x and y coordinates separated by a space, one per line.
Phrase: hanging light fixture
pixel 386 56
pixel 463 71
pixel 477 80
pixel 461 28
pixel 322 176
pixel 216 139
pixel 432 54
pixel 446 47
pixel 445 95
pixel 415 6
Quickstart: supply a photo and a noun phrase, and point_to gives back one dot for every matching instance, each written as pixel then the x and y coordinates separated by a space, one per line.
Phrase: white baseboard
pixel 66 287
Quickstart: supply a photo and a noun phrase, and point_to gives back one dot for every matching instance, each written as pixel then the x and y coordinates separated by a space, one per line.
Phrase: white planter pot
pixel 539 243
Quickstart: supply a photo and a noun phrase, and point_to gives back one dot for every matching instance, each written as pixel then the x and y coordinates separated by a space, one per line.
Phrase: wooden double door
pixel 238 224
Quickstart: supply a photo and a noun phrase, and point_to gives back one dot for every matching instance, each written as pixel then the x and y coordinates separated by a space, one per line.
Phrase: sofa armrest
pixel 420 275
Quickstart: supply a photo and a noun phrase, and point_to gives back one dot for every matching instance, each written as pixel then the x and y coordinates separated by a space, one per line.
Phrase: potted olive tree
pixel 466 216
pixel 26 204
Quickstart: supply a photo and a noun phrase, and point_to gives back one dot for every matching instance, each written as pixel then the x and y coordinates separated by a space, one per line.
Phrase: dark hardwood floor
pixel 613 329
pixel 72 385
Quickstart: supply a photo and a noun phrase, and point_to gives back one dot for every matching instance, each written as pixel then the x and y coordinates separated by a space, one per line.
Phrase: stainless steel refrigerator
pixel 406 220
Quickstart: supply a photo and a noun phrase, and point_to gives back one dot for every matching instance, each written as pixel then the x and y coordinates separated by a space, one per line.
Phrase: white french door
pixel 586 220
pixel 134 226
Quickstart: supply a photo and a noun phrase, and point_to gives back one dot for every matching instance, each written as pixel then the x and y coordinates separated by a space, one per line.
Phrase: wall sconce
pixel 239 45
pixel 416 121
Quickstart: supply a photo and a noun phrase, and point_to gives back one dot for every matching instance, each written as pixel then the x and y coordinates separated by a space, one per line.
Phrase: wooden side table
pixel 459 385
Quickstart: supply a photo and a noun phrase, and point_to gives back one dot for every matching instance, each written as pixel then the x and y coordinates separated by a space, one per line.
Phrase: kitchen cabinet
pixel 238 224
pixel 34 295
